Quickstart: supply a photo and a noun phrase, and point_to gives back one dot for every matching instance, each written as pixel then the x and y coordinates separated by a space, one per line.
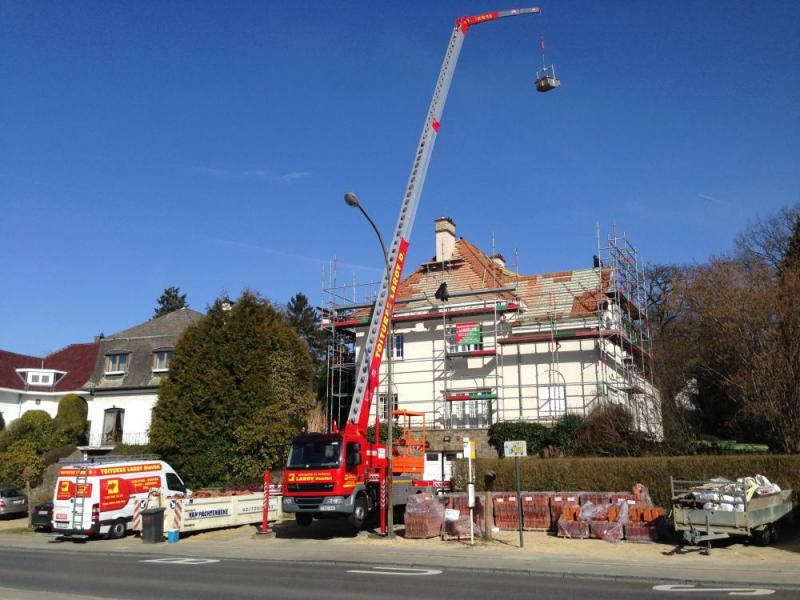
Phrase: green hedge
pixel 616 474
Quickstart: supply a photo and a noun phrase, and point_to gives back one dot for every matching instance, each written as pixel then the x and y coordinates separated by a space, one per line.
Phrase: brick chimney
pixel 445 238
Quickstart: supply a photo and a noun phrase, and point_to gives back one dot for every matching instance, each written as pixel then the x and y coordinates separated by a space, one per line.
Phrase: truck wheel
pixel 359 515
pixel 118 529
pixel 303 519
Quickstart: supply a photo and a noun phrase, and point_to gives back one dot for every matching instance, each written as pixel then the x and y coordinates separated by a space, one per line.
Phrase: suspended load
pixel 546 79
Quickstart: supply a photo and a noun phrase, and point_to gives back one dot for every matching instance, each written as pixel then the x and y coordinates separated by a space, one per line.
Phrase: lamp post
pixel 352 200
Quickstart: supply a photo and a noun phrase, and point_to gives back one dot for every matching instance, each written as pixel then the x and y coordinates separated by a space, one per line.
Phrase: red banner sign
pixel 383 332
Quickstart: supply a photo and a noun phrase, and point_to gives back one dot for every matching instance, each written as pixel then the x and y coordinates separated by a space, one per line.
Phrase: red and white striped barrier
pixel 177 517
pixel 136 524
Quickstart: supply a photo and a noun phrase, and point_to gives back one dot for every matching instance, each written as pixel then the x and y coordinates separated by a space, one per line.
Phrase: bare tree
pixel 767 240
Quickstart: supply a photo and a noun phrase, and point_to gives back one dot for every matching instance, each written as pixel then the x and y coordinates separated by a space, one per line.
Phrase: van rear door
pixel 72 504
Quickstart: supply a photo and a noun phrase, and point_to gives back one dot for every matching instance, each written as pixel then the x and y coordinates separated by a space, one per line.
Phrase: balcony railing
pixel 116 438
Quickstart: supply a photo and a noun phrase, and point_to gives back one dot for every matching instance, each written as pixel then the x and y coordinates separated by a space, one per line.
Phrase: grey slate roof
pixel 140 342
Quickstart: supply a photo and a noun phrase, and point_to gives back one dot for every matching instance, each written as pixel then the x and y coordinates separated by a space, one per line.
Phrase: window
pixel 161 360
pixel 397 348
pixel 382 406
pixel 175 484
pixel 113 422
pixel 35 378
pixel 552 400
pixel 116 364
pixel 465 337
pixel 470 414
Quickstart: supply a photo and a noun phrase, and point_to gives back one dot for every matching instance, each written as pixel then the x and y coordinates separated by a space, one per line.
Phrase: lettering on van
pixel 120 470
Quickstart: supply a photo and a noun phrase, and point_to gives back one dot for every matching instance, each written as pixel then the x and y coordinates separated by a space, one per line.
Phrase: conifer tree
pixel 169 301
pixel 239 386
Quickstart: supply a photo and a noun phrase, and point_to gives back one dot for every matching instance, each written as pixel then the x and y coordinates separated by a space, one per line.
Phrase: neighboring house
pixel 35 383
pixel 127 372
pixel 507 346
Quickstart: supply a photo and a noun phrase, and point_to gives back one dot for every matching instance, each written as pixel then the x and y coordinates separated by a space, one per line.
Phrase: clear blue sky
pixel 207 145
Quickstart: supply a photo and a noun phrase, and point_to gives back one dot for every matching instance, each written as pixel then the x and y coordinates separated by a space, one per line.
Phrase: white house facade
pixel 506 346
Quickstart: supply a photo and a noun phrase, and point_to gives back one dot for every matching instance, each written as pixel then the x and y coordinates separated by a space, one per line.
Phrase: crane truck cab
pixel 326 476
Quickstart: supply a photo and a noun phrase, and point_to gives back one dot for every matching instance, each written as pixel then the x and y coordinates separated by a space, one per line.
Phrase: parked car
pixel 43 516
pixel 13 501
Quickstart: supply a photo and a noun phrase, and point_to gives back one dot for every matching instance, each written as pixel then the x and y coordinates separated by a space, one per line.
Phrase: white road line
pixel 397 571
pixel 181 561
pixel 730 591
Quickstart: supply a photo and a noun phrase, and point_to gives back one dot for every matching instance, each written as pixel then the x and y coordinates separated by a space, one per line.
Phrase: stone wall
pixel 456 441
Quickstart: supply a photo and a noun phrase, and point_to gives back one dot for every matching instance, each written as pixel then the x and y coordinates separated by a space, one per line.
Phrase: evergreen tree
pixel 170 301
pixel 306 320
pixel 238 388
pixel 70 421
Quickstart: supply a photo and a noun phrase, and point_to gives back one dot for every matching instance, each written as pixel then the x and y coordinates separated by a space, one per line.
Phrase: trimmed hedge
pixel 617 474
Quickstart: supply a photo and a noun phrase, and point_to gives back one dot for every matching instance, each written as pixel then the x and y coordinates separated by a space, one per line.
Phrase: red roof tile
pixel 77 360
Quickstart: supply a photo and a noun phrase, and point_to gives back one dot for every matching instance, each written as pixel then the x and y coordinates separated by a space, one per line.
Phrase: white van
pixel 97 498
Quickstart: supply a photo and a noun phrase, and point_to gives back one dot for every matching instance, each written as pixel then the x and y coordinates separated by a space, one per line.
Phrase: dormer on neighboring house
pixel 130 366
pixel 40 378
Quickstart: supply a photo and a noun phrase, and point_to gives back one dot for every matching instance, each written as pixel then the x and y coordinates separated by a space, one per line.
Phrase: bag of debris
pixel 706 497
pixel 642 495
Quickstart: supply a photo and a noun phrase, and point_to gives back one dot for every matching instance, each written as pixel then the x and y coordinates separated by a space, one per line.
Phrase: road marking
pixel 181 561
pixel 729 591
pixel 397 571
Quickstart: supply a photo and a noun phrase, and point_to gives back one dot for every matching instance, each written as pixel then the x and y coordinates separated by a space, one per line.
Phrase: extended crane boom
pixel 341 473
pixel 370 360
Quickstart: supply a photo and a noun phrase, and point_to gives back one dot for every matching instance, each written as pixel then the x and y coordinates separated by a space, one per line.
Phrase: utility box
pixel 153 525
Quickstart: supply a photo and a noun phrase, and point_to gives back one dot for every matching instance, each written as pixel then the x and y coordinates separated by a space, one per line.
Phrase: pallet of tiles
pixel 569 525
pixel 558 501
pixel 424 516
pixel 536 511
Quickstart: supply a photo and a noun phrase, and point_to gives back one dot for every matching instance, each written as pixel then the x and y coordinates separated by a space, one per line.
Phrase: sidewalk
pixel 542 554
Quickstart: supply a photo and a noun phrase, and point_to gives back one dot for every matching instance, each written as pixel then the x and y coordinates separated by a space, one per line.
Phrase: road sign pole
pixel 519 501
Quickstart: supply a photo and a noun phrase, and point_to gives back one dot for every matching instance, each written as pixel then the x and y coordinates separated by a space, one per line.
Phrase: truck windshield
pixel 310 454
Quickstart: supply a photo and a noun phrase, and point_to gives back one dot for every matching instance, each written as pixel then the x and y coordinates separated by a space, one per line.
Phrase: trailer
pixel 189 513
pixel 759 516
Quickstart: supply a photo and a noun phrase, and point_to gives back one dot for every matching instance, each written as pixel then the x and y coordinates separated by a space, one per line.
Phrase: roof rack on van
pixel 110 458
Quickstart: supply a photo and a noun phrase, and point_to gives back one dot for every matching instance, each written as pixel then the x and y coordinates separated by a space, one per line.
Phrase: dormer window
pixel 161 360
pixel 117 364
pixel 40 377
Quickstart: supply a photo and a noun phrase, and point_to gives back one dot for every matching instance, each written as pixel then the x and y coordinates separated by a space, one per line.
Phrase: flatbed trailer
pixel 191 514
pixel 759 518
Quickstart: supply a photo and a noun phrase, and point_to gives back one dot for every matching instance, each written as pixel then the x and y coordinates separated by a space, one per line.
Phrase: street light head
pixel 351 199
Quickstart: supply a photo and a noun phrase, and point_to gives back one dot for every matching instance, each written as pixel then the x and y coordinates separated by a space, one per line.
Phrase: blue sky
pixel 207 145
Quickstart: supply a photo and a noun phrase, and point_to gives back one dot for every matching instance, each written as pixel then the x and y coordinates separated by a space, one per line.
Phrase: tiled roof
pixel 561 295
pixel 77 360
pixel 139 343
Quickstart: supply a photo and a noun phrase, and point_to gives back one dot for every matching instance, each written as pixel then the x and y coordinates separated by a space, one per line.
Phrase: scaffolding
pixel 624 342
pixel 518 348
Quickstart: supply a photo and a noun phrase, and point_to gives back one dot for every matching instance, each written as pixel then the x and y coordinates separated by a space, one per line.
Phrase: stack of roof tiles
pixel 458 526
pixel 424 516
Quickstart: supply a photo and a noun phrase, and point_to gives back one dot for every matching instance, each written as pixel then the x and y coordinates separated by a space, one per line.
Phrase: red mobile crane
pixel 341 474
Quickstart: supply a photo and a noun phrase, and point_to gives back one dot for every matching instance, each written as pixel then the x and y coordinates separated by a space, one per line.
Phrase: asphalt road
pixel 59 575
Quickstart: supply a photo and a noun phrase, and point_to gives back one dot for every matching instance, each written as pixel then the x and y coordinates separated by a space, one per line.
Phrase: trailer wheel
pixel 765 537
pixel 303 519
pixel 359 516
pixel 118 529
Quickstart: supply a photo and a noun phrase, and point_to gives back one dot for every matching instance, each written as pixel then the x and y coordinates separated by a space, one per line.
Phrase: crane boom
pixel 372 354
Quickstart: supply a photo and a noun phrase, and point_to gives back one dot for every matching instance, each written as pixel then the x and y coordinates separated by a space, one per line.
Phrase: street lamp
pixel 352 200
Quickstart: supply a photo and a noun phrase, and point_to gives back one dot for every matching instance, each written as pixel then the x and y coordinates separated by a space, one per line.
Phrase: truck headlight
pixel 333 500
pixel 288 500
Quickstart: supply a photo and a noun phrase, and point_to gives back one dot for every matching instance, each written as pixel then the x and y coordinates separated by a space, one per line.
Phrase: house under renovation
pixel 495 345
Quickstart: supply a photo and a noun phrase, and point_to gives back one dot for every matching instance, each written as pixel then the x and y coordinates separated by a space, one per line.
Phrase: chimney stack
pixel 445 238
pixel 499 260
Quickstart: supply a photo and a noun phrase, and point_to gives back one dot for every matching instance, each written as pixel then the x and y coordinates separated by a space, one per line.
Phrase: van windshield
pixel 308 453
